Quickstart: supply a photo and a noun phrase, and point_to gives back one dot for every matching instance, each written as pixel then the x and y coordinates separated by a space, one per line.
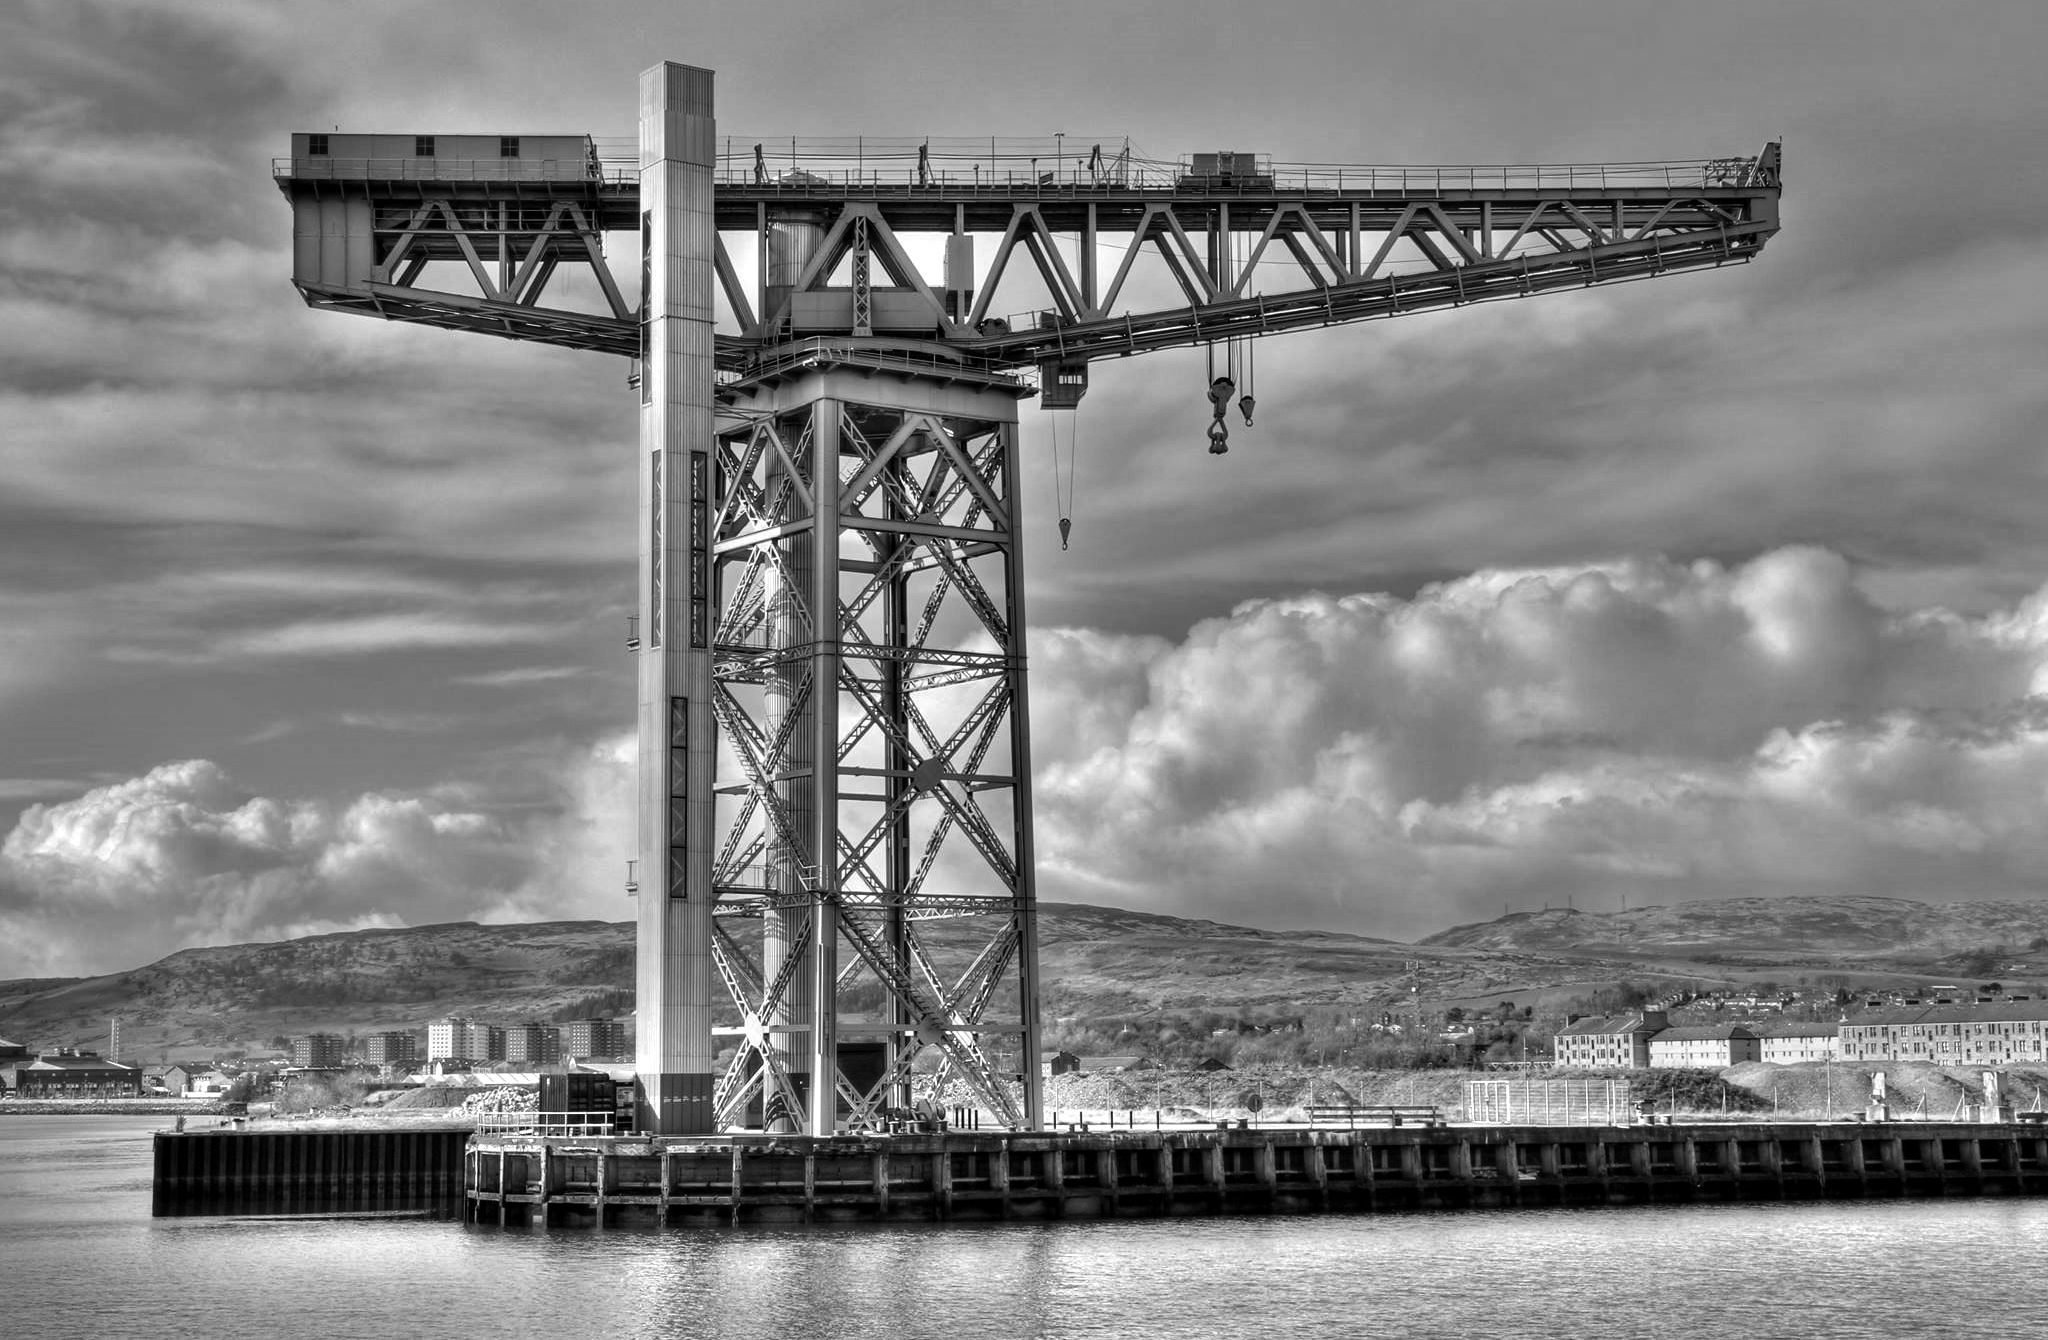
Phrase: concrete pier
pixel 514 1179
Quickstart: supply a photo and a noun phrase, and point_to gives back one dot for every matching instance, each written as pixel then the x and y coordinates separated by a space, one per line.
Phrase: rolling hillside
pixel 1794 929
pixel 1096 962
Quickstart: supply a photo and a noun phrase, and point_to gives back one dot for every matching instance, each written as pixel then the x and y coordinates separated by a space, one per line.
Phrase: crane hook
pixel 1219 436
pixel 1246 404
pixel 1066 527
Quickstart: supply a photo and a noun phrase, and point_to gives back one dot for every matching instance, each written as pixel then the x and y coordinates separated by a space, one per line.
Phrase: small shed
pixel 1058 1063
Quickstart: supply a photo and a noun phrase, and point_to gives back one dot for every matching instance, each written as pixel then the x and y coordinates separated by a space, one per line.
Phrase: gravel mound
pixel 501 1100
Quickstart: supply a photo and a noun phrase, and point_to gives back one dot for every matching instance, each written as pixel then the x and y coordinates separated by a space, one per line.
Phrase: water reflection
pixel 74 1223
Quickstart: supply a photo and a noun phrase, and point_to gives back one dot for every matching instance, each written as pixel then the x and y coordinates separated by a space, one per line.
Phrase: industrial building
pixel 75 1074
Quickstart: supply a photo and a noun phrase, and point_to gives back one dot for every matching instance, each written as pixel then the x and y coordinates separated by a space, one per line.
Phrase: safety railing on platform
pixel 323 168
pixel 1077 164
pixel 545 1123
pixel 822 168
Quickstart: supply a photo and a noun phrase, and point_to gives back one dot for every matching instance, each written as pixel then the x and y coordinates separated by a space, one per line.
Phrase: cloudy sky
pixel 1731 583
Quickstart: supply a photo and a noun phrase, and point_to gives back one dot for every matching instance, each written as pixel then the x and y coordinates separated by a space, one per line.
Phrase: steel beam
pixel 364 244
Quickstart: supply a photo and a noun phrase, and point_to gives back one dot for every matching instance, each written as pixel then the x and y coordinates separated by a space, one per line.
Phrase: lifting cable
pixel 1236 374
pixel 1063 480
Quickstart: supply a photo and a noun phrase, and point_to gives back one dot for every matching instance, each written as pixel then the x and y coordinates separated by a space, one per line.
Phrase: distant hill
pixel 1095 963
pixel 1793 928
pixel 1091 958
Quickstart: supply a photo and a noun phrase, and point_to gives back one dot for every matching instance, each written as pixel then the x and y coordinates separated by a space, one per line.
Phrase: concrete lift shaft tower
pixel 834 765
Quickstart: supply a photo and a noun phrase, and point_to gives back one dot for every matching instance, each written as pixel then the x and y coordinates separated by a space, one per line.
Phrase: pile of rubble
pixel 500 1100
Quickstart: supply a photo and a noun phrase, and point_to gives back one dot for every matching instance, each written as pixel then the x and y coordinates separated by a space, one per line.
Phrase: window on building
pixel 316 146
pixel 423 146
pixel 508 146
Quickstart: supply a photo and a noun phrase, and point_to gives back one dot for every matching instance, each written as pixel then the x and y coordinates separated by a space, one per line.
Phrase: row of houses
pixel 1647 1041
pixel 2004 1034
pixel 1964 1035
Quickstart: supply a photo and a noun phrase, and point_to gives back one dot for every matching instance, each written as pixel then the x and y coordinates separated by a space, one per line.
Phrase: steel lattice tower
pixel 834 863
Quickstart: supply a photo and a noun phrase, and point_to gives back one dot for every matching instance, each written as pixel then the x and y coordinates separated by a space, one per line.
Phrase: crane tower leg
pixel 677 758
pixel 869 686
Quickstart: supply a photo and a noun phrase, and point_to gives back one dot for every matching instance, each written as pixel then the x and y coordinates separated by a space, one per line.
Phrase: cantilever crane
pixel 834 764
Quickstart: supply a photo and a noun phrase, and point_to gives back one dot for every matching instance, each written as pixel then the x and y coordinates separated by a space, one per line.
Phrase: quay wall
pixel 254 1172
pixel 961 1175
pixel 973 1175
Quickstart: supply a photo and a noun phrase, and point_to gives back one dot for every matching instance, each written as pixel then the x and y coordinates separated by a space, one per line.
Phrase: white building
pixel 1791 1044
pixel 1711 1048
pixel 459 1039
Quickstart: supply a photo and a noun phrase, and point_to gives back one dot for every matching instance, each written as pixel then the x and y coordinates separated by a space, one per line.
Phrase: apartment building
pixel 594 1038
pixel 319 1051
pixel 533 1044
pixel 1791 1044
pixel 1622 1042
pixel 391 1049
pixel 1950 1034
pixel 459 1039
pixel 1713 1047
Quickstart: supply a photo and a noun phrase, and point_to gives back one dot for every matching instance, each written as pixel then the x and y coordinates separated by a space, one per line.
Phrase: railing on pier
pixel 558 1124
pixel 1548 1102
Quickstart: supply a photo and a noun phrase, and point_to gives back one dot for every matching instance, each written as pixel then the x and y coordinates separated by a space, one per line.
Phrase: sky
pixel 1732 583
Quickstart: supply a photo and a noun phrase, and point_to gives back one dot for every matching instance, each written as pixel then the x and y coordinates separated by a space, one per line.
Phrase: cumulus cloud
pixel 184 855
pixel 1364 762
pixel 1639 727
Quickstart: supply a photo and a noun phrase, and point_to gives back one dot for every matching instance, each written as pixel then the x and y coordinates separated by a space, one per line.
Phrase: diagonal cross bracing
pixel 908 770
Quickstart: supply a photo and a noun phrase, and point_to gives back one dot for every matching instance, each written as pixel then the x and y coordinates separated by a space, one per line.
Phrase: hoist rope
pixel 1063 480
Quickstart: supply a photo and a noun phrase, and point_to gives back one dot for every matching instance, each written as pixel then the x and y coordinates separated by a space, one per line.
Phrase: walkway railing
pixel 324 168
pixel 799 168
pixel 544 1123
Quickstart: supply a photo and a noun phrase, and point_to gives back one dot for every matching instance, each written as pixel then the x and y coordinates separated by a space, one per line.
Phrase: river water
pixel 80 1256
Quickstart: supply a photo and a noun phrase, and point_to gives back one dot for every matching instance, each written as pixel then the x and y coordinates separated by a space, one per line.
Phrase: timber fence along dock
pixel 584 1179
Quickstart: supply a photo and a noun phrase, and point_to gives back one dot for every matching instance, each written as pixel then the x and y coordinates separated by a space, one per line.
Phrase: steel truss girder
pixel 928 754
pixel 1476 244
